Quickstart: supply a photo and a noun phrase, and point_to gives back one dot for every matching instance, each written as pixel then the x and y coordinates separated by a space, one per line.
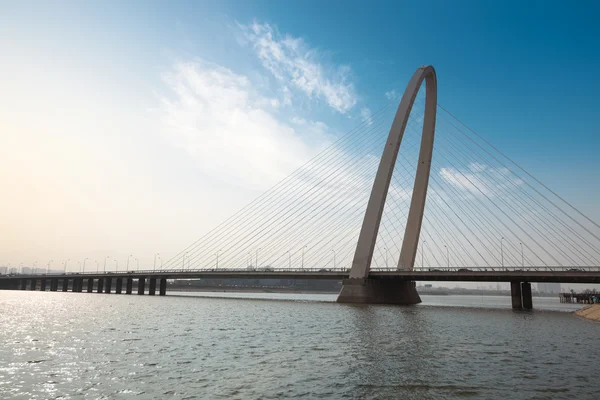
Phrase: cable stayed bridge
pixel 425 199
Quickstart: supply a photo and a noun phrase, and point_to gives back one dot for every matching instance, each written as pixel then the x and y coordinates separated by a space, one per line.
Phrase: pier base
pixel 152 289
pixel 100 285
pixel 54 284
pixel 90 285
pixel 129 286
pixel 119 286
pixel 163 287
pixel 23 284
pixel 107 285
pixel 141 285
pixel 33 284
pixel 526 295
pixel 65 284
pixel 379 291
pixel 42 285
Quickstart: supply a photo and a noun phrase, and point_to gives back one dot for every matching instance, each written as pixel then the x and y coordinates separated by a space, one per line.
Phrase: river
pixel 203 346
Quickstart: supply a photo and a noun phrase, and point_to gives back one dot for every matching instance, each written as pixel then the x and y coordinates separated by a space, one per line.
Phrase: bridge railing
pixel 312 271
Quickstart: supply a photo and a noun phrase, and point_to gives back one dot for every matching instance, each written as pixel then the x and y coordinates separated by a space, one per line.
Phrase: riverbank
pixel 590 312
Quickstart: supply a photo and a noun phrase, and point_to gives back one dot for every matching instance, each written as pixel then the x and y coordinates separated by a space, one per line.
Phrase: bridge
pixel 359 213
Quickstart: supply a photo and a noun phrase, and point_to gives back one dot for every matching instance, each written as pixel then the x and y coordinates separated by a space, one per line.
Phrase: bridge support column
pixel 526 295
pixel 163 286
pixel 23 284
pixel 65 284
pixel 515 294
pixel 78 285
pixel 152 289
pixel 119 286
pixel 90 285
pixel 43 285
pixel 379 291
pixel 54 284
pixel 107 285
pixel 129 286
pixel 100 285
pixel 141 285
pixel 33 284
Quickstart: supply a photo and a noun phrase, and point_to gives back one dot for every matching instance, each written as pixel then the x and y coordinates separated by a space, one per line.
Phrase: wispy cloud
pixel 391 95
pixel 292 60
pixel 231 129
pixel 479 179
pixel 365 115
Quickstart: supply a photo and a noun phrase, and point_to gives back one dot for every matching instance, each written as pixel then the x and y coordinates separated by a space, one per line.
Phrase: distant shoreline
pixel 280 290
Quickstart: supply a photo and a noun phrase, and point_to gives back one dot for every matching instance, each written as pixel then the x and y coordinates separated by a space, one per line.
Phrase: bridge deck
pixel 539 274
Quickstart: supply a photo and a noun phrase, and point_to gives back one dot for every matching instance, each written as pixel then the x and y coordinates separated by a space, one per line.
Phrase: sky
pixel 129 129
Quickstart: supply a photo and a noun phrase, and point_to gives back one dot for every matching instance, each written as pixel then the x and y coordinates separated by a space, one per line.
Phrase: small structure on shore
pixel 587 297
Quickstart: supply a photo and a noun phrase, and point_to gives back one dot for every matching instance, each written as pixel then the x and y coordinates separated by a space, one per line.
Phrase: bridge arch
pixel 363 255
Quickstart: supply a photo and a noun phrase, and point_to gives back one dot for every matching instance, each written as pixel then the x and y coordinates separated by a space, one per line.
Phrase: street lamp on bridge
pixel 116 265
pixel 257 256
pixel 447 256
pixel 105 258
pixel 65 265
pixel 333 258
pixel 154 267
pixel 289 259
pixel 386 256
pixel 48 268
pixel 502 251
pixel 217 267
pixel 522 262
pixel 303 256
pixel 131 255
pixel 83 267
pixel 423 254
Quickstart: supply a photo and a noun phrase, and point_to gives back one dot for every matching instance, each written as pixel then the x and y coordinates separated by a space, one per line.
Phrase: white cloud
pixel 480 180
pixel 365 115
pixel 391 95
pixel 291 60
pixel 218 117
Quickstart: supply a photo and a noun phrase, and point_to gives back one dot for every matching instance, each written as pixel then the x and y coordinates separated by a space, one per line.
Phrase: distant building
pixel 548 287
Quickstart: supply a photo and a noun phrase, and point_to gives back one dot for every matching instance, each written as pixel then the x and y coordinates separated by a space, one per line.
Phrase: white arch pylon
pixel 363 256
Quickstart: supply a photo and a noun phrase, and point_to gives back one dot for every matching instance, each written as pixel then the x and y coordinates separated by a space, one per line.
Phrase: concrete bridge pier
pixel 141 285
pixel 526 295
pixel 43 285
pixel 119 286
pixel 107 285
pixel 521 296
pixel 515 294
pixel 100 285
pixel 79 284
pixel 152 289
pixel 33 284
pixel 65 284
pixel 129 286
pixel 54 284
pixel 163 286
pixel 90 285
pixel 379 291
pixel 23 284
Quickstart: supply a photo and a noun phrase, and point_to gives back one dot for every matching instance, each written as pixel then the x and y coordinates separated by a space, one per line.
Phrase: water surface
pixel 97 346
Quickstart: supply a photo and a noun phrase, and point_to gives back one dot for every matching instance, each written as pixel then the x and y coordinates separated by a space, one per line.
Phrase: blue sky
pixel 522 74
